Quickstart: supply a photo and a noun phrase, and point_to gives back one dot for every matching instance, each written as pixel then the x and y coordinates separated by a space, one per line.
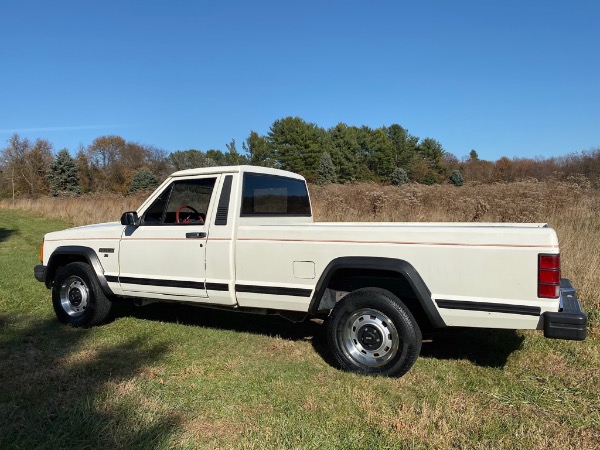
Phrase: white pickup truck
pixel 243 238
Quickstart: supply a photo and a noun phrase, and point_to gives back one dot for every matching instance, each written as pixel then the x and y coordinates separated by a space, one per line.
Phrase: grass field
pixel 168 376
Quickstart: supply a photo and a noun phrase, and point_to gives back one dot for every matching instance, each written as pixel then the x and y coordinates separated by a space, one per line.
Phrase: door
pixel 165 257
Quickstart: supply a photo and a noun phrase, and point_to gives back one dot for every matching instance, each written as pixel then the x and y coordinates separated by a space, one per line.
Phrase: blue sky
pixel 507 78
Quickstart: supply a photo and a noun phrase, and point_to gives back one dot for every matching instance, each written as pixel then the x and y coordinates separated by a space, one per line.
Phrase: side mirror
pixel 130 218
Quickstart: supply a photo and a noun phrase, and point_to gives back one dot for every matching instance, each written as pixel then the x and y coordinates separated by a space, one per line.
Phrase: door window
pixel 182 203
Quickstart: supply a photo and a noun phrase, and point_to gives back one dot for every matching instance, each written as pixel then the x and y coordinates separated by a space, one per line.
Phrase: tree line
pixel 341 154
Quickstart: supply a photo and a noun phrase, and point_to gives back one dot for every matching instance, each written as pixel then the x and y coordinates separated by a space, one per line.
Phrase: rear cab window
pixel 266 195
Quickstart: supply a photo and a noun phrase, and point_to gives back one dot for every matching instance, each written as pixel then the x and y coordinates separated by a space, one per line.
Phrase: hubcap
pixel 74 296
pixel 370 337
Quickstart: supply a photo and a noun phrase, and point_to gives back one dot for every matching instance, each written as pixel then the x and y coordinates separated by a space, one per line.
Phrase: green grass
pixel 169 376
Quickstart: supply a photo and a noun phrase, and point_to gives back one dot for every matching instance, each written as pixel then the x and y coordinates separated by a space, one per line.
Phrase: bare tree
pixel 27 165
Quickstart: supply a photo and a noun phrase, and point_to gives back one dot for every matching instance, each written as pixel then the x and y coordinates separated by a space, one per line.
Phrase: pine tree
pixel 297 145
pixel 326 172
pixel 143 179
pixel 258 150
pixel 63 176
pixel 345 150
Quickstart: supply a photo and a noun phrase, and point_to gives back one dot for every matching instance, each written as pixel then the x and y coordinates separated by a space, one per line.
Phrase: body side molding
pixel 159 282
pixel 169 283
pixel 273 290
pixel 399 266
pixel 489 307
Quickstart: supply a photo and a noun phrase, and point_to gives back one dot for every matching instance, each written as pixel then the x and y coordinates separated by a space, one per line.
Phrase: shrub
pixel 456 178
pixel 399 176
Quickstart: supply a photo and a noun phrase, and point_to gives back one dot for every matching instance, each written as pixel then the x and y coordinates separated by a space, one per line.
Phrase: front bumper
pixel 569 322
pixel 39 272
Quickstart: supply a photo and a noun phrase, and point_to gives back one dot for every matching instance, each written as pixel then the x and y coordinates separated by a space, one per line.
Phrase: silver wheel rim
pixel 370 337
pixel 74 296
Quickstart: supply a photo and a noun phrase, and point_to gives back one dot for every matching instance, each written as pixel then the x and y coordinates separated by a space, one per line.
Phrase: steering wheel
pixel 188 218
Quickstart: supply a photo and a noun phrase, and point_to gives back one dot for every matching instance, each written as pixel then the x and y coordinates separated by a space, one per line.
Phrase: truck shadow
pixel 483 347
pixel 53 386
pixel 243 322
pixel 268 325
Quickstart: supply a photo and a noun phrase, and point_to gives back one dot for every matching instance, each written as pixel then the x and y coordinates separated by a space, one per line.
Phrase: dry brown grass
pixel 528 201
pixel 78 211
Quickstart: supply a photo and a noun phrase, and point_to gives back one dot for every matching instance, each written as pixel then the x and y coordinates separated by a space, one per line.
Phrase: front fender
pixel 70 253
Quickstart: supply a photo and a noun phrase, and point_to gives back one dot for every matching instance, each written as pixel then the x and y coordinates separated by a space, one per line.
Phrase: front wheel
pixel 77 297
pixel 372 332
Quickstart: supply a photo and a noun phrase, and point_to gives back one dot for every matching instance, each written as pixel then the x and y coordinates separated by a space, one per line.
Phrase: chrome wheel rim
pixel 370 337
pixel 74 296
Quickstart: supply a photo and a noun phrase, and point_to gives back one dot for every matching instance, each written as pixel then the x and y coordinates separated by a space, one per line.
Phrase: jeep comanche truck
pixel 243 238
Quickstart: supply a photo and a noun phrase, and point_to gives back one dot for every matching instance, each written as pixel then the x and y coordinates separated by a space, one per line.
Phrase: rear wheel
pixel 77 297
pixel 371 331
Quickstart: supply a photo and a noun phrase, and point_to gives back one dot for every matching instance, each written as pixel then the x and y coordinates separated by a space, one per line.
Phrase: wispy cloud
pixel 51 129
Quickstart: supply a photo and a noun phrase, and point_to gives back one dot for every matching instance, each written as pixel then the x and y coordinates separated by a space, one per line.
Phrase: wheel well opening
pixel 348 280
pixel 58 262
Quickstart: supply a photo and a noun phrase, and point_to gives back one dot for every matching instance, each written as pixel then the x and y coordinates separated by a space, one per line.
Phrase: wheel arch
pixel 64 255
pixel 396 272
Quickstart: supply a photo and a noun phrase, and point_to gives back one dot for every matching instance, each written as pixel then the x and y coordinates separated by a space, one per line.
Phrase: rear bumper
pixel 39 272
pixel 569 322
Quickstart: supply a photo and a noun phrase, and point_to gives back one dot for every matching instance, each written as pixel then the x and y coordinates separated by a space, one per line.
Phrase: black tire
pixel 372 332
pixel 77 297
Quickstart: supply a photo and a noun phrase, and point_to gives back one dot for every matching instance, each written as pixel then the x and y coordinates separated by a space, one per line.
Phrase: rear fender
pixel 398 266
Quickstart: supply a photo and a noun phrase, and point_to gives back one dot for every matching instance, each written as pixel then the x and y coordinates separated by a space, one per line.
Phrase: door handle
pixel 195 235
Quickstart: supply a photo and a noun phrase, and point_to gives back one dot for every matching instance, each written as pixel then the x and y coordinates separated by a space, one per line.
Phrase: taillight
pixel 42 253
pixel 548 276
